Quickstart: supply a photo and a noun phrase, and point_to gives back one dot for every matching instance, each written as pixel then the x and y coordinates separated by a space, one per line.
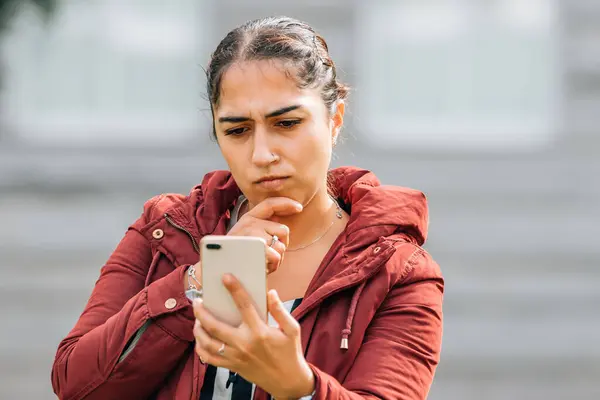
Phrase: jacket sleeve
pixel 401 348
pixel 90 362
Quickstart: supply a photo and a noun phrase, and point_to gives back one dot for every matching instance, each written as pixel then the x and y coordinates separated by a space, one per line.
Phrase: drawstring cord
pixel 348 329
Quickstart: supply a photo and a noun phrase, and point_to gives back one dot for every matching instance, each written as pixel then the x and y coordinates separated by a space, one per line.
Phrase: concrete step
pixel 517 377
pixel 494 389
pixel 160 170
pixel 99 223
pixel 28 377
pixel 496 315
pixel 549 294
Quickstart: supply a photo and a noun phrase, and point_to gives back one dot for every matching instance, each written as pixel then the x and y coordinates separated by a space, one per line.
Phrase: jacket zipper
pixel 170 221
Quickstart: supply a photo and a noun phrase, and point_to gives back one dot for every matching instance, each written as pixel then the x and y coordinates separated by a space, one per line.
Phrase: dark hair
pixel 280 38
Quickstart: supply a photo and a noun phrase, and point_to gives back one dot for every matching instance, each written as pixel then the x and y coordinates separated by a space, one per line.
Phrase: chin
pixel 262 195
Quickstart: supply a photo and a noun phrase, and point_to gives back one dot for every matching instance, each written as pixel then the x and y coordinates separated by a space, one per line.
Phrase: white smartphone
pixel 245 258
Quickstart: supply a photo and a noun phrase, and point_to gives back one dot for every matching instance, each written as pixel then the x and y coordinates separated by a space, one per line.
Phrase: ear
pixel 337 120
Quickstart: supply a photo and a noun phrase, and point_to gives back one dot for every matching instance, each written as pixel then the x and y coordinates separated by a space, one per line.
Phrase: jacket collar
pixel 375 210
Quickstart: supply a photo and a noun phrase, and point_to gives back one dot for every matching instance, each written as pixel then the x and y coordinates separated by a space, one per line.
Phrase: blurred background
pixel 491 107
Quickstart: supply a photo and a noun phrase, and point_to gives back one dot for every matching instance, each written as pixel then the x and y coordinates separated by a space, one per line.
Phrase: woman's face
pixel 276 138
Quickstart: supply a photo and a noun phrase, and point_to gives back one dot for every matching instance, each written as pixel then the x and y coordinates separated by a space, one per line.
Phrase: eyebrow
pixel 272 114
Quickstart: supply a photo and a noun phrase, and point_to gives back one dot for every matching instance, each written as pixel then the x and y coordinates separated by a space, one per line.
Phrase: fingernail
pixel 228 279
pixel 197 302
pixel 197 324
pixel 299 206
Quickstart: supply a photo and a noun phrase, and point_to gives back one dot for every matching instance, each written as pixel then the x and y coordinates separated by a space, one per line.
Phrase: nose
pixel 262 151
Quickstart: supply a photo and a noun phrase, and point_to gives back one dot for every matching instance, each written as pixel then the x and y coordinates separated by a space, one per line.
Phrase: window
pixel 463 74
pixel 108 72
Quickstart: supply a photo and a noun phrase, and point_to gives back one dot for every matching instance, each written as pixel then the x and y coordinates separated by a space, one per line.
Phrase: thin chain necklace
pixel 338 214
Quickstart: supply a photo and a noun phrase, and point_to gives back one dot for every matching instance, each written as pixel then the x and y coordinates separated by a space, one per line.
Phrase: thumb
pixel 284 319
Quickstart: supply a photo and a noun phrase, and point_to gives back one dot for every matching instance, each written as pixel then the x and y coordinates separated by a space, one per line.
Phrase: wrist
pixel 191 282
pixel 305 385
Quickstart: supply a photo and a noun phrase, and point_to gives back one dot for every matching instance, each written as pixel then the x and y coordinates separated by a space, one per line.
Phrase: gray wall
pixel 490 107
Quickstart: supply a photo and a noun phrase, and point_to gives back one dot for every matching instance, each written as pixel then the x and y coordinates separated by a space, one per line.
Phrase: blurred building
pixel 489 106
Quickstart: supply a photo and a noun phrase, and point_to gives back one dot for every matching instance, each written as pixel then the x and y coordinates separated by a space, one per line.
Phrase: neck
pixel 316 216
pixel 314 219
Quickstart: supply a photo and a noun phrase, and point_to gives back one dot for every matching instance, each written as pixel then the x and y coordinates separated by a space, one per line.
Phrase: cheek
pixel 227 156
pixel 322 142
pixel 235 160
pixel 314 151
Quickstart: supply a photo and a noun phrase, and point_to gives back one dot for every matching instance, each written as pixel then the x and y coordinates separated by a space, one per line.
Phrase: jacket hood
pixel 375 210
pixel 378 209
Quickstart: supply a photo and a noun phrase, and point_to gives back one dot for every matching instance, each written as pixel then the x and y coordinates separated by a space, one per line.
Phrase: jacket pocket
pixel 134 341
pixel 136 338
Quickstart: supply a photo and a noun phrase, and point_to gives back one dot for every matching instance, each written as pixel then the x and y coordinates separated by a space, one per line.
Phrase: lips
pixel 272 183
pixel 271 178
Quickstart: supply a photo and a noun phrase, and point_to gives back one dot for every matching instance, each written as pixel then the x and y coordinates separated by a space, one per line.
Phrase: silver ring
pixel 221 350
pixel 274 240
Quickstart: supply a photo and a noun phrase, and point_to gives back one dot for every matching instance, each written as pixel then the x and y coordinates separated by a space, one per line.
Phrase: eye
pixel 235 131
pixel 288 123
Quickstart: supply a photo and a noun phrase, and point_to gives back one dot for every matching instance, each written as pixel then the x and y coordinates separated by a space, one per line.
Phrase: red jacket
pixel 376 287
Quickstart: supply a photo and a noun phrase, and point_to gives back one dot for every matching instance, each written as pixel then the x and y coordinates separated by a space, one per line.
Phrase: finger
pixel 287 323
pixel 275 206
pixel 277 245
pixel 196 326
pixel 251 226
pixel 218 330
pixel 208 358
pixel 203 339
pixel 273 259
pixel 243 302
pixel 274 229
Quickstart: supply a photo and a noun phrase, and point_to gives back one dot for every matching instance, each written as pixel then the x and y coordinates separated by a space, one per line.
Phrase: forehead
pixel 262 86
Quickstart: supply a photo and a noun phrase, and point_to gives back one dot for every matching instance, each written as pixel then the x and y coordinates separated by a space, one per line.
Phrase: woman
pixel 356 303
